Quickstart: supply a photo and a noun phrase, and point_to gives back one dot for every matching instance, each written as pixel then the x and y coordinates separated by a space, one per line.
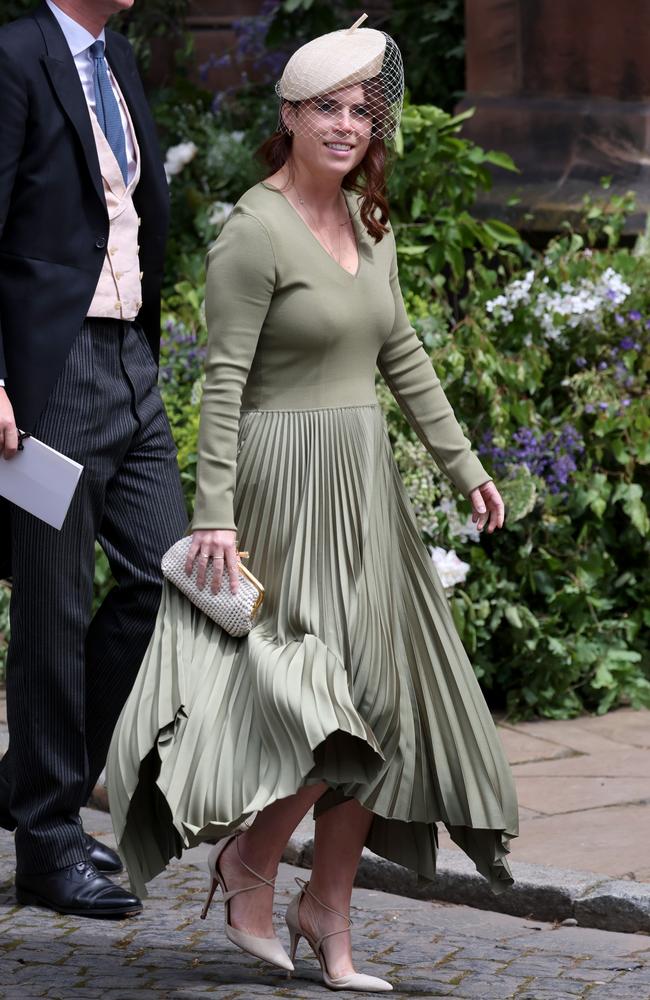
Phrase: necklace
pixel 339 225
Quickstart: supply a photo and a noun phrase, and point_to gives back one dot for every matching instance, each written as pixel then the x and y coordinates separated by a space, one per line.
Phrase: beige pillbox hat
pixel 342 59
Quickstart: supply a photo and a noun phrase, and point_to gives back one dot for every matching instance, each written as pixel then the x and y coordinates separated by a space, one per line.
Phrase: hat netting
pixel 318 73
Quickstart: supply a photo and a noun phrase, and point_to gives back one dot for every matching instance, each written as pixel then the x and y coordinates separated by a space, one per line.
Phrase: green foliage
pixel 155 19
pixel 203 192
pixel 433 185
pixel 11 9
pixel 554 611
pixel 431 37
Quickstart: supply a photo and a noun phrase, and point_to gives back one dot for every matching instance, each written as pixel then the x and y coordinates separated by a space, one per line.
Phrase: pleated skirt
pixel 354 674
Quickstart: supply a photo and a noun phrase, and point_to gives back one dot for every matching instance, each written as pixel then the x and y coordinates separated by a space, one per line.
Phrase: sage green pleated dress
pixel 355 674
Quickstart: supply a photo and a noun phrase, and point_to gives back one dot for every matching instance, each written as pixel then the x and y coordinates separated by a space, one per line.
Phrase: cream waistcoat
pixel 119 290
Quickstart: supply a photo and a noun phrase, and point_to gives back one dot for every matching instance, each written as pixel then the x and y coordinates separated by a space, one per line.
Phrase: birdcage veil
pixel 320 69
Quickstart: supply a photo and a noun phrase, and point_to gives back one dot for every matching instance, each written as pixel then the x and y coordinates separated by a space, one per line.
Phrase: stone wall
pixel 564 87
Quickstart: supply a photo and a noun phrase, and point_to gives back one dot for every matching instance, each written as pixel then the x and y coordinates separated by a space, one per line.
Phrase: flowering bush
pixel 550 373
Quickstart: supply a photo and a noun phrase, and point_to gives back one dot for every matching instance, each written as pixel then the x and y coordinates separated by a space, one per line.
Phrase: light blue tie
pixel 107 109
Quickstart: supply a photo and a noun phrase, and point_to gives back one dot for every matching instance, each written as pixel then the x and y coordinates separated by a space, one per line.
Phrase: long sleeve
pixel 12 136
pixel 239 286
pixel 410 376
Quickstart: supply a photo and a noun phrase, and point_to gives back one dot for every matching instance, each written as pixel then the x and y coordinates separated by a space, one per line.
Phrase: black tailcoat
pixel 53 220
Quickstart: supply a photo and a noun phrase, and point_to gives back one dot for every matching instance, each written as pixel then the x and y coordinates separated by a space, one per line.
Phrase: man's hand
pixel 8 429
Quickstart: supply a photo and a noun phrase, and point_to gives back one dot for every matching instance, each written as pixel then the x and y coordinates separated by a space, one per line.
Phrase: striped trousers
pixel 68 673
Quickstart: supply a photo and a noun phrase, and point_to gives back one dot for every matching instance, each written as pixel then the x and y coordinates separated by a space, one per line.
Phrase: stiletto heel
pixel 208 902
pixel 295 938
pixel 356 980
pixel 268 949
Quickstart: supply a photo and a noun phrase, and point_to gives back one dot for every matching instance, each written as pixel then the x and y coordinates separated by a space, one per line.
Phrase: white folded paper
pixel 40 480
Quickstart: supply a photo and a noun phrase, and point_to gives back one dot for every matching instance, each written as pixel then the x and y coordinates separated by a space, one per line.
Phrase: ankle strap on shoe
pixel 248 888
pixel 305 889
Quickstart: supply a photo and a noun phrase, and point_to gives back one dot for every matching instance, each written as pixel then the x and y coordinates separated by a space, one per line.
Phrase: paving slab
pixel 570 793
pixel 626 726
pixel 612 842
pixel 622 762
pixel 571 734
pixel 520 747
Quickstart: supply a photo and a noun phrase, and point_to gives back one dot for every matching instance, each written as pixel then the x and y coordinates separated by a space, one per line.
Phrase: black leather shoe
pixel 104 858
pixel 79 890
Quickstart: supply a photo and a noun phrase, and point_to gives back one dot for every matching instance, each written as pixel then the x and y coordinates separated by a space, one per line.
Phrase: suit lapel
pixel 63 74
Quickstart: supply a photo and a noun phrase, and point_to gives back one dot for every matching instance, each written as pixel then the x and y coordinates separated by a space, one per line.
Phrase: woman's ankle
pixel 256 856
pixel 325 898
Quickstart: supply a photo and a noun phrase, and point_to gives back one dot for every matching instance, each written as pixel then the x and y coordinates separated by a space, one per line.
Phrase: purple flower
pixel 626 402
pixel 581 362
pixel 589 408
pixel 551 456
pixel 619 319
pixel 634 315
pixel 602 367
pixel 629 344
pixel 603 406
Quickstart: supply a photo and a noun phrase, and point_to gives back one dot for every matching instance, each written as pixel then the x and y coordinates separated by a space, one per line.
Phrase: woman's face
pixel 331 133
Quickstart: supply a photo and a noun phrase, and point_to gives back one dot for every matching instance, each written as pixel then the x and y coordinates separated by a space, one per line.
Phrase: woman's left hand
pixel 487 507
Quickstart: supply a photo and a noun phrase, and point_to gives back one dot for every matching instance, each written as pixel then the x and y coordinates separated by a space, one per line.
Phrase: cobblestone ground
pixel 426 949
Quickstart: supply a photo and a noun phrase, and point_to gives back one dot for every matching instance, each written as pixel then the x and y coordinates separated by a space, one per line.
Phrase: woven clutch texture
pixel 235 613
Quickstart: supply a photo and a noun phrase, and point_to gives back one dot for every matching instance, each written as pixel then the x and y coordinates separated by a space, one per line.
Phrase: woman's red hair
pixel 368 178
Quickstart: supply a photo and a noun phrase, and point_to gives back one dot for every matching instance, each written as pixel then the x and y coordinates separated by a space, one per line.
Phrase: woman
pixel 353 692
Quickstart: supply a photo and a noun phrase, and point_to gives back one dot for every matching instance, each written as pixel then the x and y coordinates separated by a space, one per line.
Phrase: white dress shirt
pixel 79 41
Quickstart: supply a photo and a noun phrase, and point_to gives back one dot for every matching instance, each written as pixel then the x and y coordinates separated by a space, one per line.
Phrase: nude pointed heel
pixel 268 949
pixel 356 981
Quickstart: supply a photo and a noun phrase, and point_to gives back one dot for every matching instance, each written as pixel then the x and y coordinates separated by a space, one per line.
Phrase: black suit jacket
pixel 53 218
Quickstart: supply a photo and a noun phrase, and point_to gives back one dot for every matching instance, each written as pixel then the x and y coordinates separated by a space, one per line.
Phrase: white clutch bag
pixel 235 613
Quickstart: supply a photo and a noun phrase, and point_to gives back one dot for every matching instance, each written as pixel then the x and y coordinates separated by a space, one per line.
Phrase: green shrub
pixel 550 374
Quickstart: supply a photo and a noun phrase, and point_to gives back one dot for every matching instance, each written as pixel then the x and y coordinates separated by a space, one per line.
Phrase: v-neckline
pixel 353 220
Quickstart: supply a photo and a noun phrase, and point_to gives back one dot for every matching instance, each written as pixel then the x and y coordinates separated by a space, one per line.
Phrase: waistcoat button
pixel 100 242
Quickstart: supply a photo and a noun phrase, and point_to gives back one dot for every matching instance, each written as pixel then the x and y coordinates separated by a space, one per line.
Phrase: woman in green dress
pixel 353 693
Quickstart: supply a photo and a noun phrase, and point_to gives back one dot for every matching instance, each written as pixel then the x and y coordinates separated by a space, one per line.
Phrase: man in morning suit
pixel 83 219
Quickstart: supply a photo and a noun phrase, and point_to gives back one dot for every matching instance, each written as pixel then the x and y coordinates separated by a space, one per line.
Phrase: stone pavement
pixel 427 949
pixel 583 849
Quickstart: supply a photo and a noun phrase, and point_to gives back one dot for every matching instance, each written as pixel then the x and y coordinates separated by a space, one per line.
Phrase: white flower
pixel 178 157
pixel 569 306
pixel 466 530
pixel 237 136
pixel 219 212
pixel 451 569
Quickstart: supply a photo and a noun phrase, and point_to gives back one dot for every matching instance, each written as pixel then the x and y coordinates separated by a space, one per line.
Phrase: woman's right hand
pixel 221 547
